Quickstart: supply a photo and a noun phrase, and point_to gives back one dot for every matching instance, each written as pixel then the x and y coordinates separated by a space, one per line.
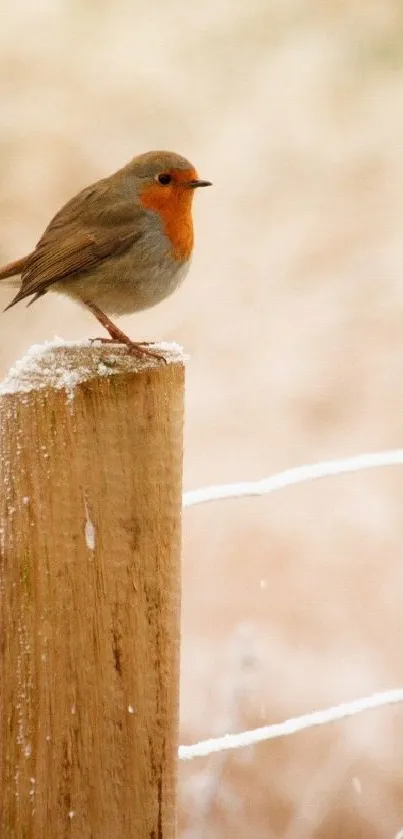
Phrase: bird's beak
pixel 196 183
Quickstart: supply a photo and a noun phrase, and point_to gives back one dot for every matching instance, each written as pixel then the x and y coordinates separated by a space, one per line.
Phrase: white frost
pixel 20 377
pixel 89 529
pixel 51 365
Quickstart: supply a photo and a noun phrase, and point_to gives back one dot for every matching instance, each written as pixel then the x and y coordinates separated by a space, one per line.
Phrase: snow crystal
pixel 89 530
pixel 53 364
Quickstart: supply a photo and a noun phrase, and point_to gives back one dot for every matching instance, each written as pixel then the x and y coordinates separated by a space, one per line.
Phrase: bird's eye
pixel 164 179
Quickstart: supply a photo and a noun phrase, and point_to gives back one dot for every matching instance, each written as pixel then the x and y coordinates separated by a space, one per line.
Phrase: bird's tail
pixel 13 268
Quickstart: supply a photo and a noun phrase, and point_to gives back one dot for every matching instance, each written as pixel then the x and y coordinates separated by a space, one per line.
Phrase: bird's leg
pixel 119 337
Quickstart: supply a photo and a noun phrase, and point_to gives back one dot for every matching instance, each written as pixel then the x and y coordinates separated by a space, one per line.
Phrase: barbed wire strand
pixel 291 477
pixel 291 726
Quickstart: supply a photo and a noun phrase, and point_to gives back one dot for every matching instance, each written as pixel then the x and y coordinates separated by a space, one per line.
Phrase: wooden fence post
pixel 90 511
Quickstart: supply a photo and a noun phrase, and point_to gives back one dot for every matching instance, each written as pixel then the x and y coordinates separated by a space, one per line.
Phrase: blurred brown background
pixel 293 316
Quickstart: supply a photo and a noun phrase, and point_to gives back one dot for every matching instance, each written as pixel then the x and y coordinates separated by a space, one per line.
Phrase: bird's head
pixel 165 184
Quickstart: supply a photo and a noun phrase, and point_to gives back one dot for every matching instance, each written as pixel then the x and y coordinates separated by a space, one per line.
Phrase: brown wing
pixel 93 226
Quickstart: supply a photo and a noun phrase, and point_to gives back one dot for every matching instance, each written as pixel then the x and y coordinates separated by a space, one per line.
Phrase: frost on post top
pixel 64 364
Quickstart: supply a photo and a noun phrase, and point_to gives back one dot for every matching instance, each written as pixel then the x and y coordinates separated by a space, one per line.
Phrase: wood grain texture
pixel 90 598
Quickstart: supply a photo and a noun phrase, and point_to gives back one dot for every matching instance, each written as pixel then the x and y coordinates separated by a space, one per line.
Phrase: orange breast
pixel 174 205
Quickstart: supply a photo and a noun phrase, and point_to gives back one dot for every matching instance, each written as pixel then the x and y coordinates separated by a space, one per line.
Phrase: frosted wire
pixel 281 480
pixel 291 726
pixel 291 477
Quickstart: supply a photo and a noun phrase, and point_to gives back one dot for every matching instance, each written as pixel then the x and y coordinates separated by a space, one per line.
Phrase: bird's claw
pixel 133 347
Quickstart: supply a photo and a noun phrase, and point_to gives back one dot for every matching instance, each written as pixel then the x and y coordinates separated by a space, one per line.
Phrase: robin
pixel 119 246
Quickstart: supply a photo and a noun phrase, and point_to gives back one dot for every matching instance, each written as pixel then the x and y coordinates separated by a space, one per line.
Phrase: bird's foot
pixel 118 337
pixel 133 347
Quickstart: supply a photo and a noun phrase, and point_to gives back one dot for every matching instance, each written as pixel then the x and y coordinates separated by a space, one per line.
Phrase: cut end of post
pixel 63 364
